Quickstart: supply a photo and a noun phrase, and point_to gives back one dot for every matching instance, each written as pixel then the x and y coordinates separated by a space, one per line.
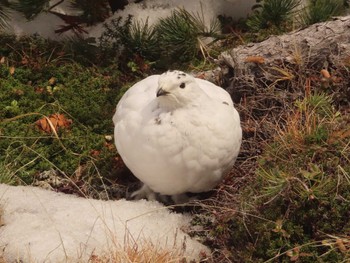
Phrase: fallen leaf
pixel 12 70
pixel 325 73
pixel 39 90
pixel 255 59
pixel 18 92
pixel 95 153
pixel 55 121
pixel 2 60
pixel 340 244
pixel 24 61
pixel 109 146
pixel 52 81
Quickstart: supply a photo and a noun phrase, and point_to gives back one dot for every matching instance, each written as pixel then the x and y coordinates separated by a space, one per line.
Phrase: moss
pixel 86 95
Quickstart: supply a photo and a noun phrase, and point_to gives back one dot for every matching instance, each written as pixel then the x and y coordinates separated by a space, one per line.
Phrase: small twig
pixel 54 5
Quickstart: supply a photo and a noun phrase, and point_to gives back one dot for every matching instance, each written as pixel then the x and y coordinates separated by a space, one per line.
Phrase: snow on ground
pixel 155 9
pixel 44 226
pixel 45 23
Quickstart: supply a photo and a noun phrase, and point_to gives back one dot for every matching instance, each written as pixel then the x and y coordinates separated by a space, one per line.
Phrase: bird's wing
pixel 137 97
pixel 213 92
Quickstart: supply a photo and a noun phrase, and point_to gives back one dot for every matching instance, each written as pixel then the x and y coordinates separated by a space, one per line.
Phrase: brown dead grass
pixel 146 252
pixel 265 106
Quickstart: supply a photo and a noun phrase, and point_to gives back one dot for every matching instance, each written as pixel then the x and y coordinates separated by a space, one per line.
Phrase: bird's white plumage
pixel 177 133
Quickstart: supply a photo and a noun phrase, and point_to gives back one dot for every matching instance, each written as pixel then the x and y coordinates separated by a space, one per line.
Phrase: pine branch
pixel 31 8
pixel 4 16
pixel 57 4
pixel 93 11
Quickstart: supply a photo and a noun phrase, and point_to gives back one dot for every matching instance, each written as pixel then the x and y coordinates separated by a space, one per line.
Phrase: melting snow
pixel 44 226
pixel 45 23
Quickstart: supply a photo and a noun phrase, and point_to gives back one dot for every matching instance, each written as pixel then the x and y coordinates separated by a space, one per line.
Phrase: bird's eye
pixel 182 85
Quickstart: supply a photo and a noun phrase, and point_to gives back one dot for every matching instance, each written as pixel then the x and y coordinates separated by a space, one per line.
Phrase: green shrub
pixel 141 39
pixel 271 13
pixel 4 17
pixel 181 35
pixel 112 35
pixel 321 10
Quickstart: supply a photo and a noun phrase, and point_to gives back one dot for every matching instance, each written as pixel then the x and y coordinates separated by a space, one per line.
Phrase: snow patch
pixel 44 226
pixel 45 23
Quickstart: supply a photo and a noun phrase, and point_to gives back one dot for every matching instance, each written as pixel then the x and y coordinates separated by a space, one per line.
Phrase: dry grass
pixel 129 249
pixel 266 103
pixel 282 103
pixel 134 254
pixel 136 250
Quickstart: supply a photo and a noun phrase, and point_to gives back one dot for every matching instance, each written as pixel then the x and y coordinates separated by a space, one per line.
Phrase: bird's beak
pixel 162 92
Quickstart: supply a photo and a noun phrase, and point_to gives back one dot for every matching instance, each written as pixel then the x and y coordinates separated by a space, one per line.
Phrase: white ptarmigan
pixel 177 134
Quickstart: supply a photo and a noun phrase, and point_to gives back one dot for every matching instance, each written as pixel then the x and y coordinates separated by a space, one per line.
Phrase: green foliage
pixel 31 8
pixel 271 13
pixel 140 38
pixel 40 84
pixel 181 35
pixel 113 33
pixel 87 52
pixel 4 14
pixel 89 12
pixel 178 35
pixel 35 51
pixel 298 207
pixel 321 10
pixel 319 104
pixel 93 11
pixel 307 133
pixel 6 175
pixel 130 39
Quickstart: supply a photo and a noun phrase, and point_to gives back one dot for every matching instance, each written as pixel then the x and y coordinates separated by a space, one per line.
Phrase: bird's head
pixel 176 89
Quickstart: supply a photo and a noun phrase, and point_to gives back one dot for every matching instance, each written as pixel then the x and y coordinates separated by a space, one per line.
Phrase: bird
pixel 177 134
